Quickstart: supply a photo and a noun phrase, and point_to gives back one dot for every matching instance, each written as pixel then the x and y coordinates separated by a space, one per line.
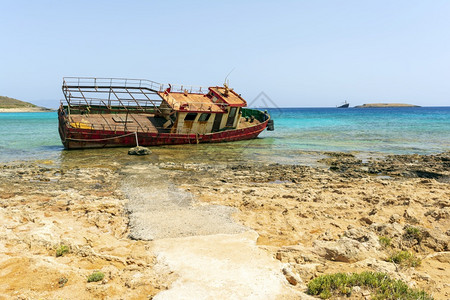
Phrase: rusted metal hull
pixel 77 138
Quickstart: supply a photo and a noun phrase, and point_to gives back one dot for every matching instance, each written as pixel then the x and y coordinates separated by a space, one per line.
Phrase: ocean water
pixel 301 136
pixel 25 136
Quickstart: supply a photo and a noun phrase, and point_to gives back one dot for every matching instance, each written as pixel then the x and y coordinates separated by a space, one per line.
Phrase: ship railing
pixel 99 82
pixel 101 106
pixel 122 92
pixel 191 89
pixel 112 82
pixel 143 105
pixel 79 101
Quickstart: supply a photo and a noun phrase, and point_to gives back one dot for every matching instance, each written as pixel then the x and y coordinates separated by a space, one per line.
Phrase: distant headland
pixel 13 105
pixel 378 105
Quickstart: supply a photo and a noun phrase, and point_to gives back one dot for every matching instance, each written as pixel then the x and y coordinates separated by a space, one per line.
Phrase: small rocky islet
pixel 386 105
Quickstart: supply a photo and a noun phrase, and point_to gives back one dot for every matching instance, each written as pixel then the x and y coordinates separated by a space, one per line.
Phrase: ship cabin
pixel 200 113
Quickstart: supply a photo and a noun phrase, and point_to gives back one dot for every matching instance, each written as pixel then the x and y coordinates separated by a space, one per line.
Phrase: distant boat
pixel 344 105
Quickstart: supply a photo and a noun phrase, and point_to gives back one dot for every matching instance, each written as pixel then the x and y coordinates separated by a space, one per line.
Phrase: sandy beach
pixel 255 231
pixel 25 109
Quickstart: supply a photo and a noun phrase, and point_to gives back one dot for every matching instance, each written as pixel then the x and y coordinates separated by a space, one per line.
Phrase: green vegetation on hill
pixel 6 102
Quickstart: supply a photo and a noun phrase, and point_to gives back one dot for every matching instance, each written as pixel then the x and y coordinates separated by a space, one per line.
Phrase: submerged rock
pixel 139 150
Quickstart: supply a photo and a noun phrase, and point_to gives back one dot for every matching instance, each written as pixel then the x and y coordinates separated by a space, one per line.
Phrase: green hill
pixel 6 102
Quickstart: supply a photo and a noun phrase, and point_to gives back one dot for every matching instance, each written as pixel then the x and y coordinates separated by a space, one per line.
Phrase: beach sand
pixel 25 109
pixel 243 231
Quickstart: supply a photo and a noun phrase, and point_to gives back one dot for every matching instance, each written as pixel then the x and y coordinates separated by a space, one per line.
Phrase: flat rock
pixel 344 250
pixel 223 266
pixel 355 245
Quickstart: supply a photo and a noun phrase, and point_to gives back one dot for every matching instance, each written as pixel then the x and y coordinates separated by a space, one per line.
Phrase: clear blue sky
pixel 300 53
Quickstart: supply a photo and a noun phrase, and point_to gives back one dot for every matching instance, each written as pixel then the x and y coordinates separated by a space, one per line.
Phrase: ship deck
pixel 119 122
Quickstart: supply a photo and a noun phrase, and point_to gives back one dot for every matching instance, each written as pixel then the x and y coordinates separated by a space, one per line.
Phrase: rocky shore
pixel 288 223
pixel 44 207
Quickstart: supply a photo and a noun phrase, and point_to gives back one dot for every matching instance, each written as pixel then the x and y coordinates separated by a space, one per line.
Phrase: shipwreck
pixel 116 112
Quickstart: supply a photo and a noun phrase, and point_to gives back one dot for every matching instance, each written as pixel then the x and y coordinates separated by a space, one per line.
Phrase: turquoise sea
pixel 301 136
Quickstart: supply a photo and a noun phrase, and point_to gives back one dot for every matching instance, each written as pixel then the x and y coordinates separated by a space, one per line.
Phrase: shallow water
pixel 300 136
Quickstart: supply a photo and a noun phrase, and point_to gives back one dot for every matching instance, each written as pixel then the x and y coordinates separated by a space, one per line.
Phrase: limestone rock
pixel 392 230
pixel 422 276
pixel 395 218
pixel 438 214
pixel 307 271
pixel 139 150
pixel 443 257
pixel 295 254
pixel 363 236
pixel 410 216
pixel 355 245
pixel 435 239
pixel 344 250
pixel 366 220
pixel 378 266
pixel 291 277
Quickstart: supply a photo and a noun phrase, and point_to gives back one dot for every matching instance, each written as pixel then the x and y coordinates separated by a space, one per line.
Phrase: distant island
pixel 378 105
pixel 8 104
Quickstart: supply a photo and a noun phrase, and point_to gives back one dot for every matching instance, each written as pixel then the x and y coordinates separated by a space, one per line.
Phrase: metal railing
pixel 131 83
pixel 191 89
pixel 112 92
pixel 99 102
pixel 130 94
pixel 111 82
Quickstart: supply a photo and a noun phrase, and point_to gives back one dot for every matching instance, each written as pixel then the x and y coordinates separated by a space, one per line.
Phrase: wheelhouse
pixel 187 112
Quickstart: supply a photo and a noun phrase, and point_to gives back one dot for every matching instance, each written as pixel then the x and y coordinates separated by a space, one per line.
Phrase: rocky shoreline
pixel 351 216
pixel 45 206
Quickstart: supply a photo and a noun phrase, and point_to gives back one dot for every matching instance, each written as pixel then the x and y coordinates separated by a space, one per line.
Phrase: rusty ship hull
pixel 80 138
